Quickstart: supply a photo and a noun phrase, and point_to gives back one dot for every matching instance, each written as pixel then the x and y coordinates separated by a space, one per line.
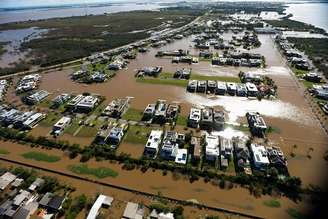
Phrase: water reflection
pixel 237 107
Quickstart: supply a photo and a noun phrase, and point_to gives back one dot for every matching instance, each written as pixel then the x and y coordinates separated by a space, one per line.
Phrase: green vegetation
pixel 79 36
pixel 294 25
pixel 100 172
pixel 133 114
pixel 258 183
pixel 173 82
pixel 316 49
pixel 137 134
pixel 3 151
pixel 73 207
pixel 2 49
pixel 295 213
pixel 182 120
pixel 51 119
pixel 39 156
pixel 87 131
pixel 215 78
pixel 166 78
pixel 272 203
pixel 73 127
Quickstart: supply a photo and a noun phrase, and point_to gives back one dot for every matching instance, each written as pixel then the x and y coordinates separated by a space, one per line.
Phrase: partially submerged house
pixel 116 108
pixel 256 124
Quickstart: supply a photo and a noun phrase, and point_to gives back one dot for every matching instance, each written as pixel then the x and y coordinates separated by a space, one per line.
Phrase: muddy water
pixel 289 114
pixel 153 182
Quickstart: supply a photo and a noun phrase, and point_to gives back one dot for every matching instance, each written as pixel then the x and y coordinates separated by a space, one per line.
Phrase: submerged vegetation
pixel 39 156
pixel 294 25
pixel 101 172
pixel 316 49
pixel 76 37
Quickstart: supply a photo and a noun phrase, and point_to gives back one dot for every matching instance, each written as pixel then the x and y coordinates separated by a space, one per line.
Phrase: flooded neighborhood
pixel 224 116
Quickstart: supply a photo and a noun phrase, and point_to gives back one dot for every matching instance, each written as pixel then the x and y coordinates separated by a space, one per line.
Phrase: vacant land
pixel 38 156
pixel 75 37
pixel 100 172
pixel 133 114
pixel 137 134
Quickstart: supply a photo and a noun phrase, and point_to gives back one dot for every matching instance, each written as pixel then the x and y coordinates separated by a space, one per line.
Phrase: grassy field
pixel 3 151
pixel 133 114
pixel 87 131
pixel 101 172
pixel 182 120
pixel 38 156
pixel 137 134
pixel 166 78
pixel 51 119
pixel 73 127
pixel 272 203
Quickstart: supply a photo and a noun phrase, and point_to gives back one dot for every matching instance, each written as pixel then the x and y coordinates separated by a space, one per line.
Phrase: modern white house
pixel 102 200
pixel 212 150
pixel 194 117
pixel 181 157
pixel 260 156
pixel 61 124
pixel 153 143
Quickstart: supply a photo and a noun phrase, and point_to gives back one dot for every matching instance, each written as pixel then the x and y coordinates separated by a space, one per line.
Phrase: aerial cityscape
pixel 163 109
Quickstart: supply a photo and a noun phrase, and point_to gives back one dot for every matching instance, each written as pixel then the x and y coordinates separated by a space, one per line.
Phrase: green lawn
pixel 182 120
pixel 166 78
pixel 133 114
pixel 137 134
pixel 3 151
pixel 272 203
pixel 87 131
pixel 101 172
pixel 215 78
pixel 73 127
pixel 38 156
pixel 51 119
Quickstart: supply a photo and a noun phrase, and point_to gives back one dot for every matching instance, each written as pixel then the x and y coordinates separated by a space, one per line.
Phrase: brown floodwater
pixel 289 114
pixel 237 198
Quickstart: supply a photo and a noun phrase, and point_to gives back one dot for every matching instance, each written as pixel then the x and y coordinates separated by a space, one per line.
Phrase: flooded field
pixel 236 198
pixel 15 38
pixel 289 114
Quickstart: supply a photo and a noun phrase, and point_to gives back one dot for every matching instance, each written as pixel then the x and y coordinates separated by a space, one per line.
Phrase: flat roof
pixel 102 199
